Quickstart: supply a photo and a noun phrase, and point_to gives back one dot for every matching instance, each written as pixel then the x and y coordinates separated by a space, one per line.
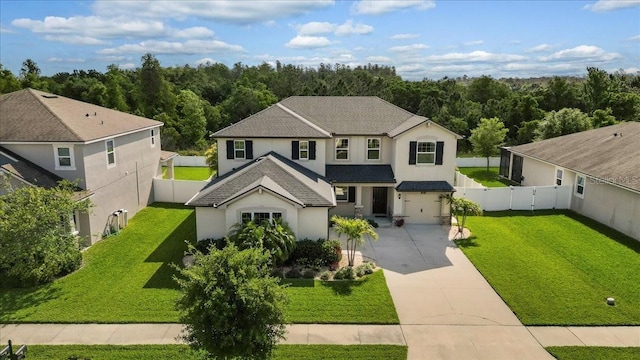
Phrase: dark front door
pixel 516 173
pixel 379 200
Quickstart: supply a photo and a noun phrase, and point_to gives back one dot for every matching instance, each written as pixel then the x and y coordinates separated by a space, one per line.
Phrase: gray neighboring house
pixel 309 157
pixel 602 165
pixel 112 155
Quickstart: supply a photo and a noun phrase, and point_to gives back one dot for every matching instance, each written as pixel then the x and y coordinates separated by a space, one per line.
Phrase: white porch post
pixel 398 202
pixel 358 208
pixel 170 168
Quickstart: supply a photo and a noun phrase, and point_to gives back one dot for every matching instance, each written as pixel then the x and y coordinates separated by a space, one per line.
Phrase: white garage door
pixel 422 208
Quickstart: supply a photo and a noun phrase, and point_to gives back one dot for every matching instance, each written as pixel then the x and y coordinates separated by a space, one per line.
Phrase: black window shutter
pixel 352 194
pixel 295 150
pixel 413 147
pixel 439 152
pixel 230 151
pixel 248 147
pixel 312 150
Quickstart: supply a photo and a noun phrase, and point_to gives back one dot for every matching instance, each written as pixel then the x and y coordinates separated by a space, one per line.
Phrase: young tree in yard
pixel 486 138
pixel 211 157
pixel 36 240
pixel 460 208
pixel 230 305
pixel 355 230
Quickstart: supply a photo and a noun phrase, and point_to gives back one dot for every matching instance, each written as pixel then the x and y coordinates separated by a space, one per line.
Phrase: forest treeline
pixel 194 102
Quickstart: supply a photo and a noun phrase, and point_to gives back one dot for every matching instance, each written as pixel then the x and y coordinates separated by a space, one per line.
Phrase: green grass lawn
pixel 488 179
pixel 127 278
pixel 594 353
pixel 188 172
pixel 171 352
pixel 557 268
pixel 328 302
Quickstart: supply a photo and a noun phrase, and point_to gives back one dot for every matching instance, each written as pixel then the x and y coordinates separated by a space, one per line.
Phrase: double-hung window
pixel 426 152
pixel 559 174
pixel 64 158
pixel 581 181
pixel 303 150
pixel 259 216
pixel 373 149
pixel 239 149
pixel 342 149
pixel 111 152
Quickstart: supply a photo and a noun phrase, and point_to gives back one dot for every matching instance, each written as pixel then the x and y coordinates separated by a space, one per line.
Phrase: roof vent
pixel 50 96
pixel 87 115
pixel 617 134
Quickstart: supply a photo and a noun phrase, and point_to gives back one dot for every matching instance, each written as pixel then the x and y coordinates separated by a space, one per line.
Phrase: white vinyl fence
pixel 463 180
pixel 189 161
pixel 477 162
pixel 519 197
pixel 175 191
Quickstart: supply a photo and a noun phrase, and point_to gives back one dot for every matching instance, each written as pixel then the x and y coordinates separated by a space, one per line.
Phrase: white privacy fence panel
pixel 175 191
pixel 518 197
pixel 189 161
pixel 463 180
pixel 477 162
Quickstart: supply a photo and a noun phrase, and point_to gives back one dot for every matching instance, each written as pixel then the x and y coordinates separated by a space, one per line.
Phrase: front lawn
pixel 487 178
pixel 594 353
pixel 127 278
pixel 189 172
pixel 170 352
pixel 557 267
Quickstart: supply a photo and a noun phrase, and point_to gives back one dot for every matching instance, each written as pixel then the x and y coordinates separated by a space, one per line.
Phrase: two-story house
pixel 307 158
pixel 111 155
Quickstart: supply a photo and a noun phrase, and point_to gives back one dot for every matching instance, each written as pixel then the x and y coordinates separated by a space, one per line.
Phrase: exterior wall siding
pixel 210 223
pixel 313 223
pixel 537 173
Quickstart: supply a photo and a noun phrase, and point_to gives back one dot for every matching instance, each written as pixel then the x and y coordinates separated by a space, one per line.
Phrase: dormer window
pixel 64 157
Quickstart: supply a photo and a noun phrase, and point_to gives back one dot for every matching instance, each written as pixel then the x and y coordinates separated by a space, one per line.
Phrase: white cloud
pixel 127 66
pixel 377 7
pixel 232 11
pixel 587 52
pixel 521 66
pixel 410 68
pixel 197 32
pixel 475 56
pixel 360 48
pixel 634 38
pixel 472 43
pixel 4 30
pixel 453 68
pixel 316 27
pixel 404 36
pixel 111 58
pixel 70 60
pixel 539 48
pixel 378 59
pixel 308 42
pixel 348 28
pixel 408 48
pixel 188 47
pixel 93 26
pixel 75 39
pixel 632 70
pixel 610 5
pixel 204 61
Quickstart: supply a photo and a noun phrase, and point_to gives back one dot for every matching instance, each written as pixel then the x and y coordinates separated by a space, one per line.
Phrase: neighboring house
pixel 307 158
pixel 112 155
pixel 603 166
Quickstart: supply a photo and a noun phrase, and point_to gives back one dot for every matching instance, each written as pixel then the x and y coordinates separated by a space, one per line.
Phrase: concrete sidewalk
pixel 618 336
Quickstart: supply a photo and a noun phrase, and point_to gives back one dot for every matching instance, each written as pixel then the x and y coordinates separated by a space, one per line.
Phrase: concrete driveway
pixel 447 309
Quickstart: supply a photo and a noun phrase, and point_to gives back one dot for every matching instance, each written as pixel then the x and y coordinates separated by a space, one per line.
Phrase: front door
pixel 379 201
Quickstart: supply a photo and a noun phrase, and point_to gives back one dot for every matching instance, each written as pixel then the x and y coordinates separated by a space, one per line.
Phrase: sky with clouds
pixel 421 38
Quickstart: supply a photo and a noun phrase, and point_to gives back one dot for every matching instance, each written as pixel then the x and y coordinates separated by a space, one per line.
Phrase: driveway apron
pixel 447 310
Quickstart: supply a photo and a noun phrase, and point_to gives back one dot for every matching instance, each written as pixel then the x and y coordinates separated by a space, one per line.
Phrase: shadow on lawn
pixel 344 287
pixel 13 300
pixel 171 251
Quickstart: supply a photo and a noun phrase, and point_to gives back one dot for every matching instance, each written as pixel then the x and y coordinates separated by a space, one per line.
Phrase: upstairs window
pixel 111 152
pixel 580 184
pixel 239 149
pixel 304 150
pixel 373 149
pixel 64 158
pixel 426 152
pixel 342 149
pixel 559 174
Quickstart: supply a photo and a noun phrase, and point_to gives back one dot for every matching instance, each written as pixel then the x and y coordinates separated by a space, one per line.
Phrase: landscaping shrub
pixel 364 269
pixel 306 249
pixel 309 274
pixel 294 273
pixel 329 253
pixel 345 273
pixel 204 244
pixel 278 273
pixel 274 236
pixel 325 275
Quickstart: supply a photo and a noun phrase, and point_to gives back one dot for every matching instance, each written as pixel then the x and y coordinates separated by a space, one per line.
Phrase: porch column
pixel 358 208
pixel 170 168
pixel 398 202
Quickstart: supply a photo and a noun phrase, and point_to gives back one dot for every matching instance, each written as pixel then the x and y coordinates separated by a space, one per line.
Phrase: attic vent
pixel 50 96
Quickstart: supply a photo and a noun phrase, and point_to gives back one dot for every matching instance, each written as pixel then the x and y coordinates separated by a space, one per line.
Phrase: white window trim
pixel 270 212
pixel 153 137
pixel 300 150
pixel 561 178
pixel 335 153
pixel 379 148
pixel 244 150
pixel 427 152
pixel 345 192
pixel 584 186
pixel 106 151
pixel 57 158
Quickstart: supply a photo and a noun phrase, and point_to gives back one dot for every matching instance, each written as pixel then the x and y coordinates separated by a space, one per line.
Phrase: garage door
pixel 422 208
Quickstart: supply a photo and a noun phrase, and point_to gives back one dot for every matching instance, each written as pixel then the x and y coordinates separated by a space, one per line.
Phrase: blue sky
pixel 420 38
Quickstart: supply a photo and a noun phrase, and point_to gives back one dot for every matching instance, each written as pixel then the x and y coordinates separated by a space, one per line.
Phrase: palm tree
pixel 274 236
pixel 355 230
pixel 462 207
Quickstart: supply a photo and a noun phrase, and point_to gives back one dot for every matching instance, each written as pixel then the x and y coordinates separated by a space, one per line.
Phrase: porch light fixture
pixel 399 196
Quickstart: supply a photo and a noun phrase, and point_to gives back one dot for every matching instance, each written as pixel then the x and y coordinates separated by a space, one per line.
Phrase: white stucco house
pixel 602 165
pixel 307 158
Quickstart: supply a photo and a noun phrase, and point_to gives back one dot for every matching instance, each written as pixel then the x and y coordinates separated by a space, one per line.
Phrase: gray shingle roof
pixel 359 174
pixel 610 153
pixel 34 116
pixel 270 172
pixel 425 186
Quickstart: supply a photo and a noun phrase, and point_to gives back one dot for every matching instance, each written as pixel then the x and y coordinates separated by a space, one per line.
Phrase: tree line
pixel 194 102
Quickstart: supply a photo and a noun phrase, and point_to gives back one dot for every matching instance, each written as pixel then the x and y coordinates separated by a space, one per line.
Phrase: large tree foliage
pixel 487 137
pixel 563 122
pixel 230 305
pixel 355 230
pixel 276 237
pixel 36 240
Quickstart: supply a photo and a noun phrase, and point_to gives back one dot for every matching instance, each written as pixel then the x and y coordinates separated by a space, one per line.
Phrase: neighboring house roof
pixel 34 116
pixel 359 174
pixel 324 116
pixel 611 153
pixel 270 172
pixel 425 186
pixel 166 155
pixel 32 174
